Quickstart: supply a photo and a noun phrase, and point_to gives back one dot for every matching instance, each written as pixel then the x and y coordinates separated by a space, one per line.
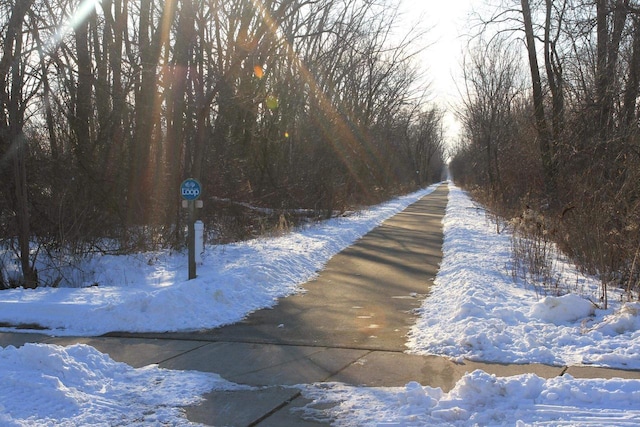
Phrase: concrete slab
pixel 294 372
pixel 132 351
pixel 502 370
pixel 234 359
pixel 395 369
pixel 291 416
pixel 265 364
pixel 335 359
pixel 240 408
pixel 596 372
pixel 19 339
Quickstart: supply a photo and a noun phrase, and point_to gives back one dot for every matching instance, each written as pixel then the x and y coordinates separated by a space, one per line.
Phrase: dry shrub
pixel 534 254
pixel 599 226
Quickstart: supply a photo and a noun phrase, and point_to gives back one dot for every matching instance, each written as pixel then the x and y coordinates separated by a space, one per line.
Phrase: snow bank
pixel 77 385
pixel 490 317
pixel 560 310
pixel 479 399
pixel 149 292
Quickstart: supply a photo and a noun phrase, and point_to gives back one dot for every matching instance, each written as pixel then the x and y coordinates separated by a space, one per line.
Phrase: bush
pixel 534 254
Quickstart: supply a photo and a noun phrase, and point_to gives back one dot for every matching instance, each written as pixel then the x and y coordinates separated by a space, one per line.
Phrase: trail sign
pixel 190 189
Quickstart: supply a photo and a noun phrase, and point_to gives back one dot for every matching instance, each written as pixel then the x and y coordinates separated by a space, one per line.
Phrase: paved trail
pixel 365 297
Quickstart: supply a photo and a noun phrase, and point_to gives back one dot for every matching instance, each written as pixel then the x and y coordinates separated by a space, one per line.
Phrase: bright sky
pixel 449 26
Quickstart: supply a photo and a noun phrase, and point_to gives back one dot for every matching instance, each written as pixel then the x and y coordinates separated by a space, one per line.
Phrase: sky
pixel 475 311
pixel 448 22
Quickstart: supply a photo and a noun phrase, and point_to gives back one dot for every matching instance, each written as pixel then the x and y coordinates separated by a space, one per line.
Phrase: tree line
pixel 106 106
pixel 551 126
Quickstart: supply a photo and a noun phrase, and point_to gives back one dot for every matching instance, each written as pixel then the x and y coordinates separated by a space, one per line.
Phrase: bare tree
pixel 492 85
pixel 583 59
pixel 13 142
pixel 545 137
pixel 290 103
pixel 426 139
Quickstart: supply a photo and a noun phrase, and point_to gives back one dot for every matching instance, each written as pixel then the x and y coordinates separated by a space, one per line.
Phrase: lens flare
pixel 272 102
pixel 258 71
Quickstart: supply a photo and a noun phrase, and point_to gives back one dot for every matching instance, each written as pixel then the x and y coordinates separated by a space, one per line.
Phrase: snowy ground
pixel 491 318
pixel 488 318
pixel 47 385
pixel 150 292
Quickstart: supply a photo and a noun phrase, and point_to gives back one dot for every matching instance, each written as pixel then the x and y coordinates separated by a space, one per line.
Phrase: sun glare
pixel 84 9
pixel 79 15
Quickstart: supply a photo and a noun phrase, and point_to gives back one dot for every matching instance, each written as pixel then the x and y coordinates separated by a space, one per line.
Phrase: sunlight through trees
pixel 107 106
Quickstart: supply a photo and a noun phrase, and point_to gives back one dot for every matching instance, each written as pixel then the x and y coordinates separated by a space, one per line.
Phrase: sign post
pixel 190 190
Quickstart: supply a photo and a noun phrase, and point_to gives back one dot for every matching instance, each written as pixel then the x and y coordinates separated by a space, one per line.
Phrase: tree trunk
pixel 116 24
pixel 178 116
pixel 633 83
pixel 83 106
pixel 554 75
pixel 608 48
pixel 146 132
pixel 544 136
pixel 11 69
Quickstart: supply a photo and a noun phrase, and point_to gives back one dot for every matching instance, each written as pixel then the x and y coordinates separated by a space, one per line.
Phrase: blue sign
pixel 190 189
